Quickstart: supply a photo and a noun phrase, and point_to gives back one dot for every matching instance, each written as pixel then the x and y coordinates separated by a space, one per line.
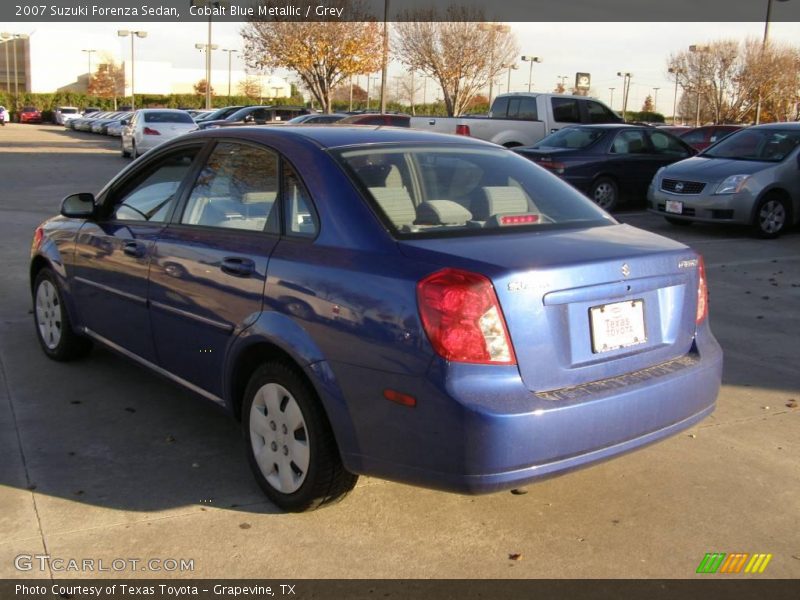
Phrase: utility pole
pixel 611 102
pixel 230 52
pixel 655 99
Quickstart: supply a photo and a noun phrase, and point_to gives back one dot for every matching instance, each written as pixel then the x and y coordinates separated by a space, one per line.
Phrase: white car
pixel 62 114
pixel 150 127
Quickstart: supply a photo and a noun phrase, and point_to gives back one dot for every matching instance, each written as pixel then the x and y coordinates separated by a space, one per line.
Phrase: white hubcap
pixel 279 437
pixel 48 314
pixel 772 216
pixel 604 194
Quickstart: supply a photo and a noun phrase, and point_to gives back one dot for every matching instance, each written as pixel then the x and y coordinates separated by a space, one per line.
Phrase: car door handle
pixel 135 249
pixel 238 266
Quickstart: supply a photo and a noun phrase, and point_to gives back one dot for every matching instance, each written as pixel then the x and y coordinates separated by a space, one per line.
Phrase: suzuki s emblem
pixel 679 186
pixel 626 270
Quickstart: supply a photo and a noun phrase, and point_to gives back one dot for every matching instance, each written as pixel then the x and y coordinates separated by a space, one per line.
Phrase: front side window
pixel 236 189
pixel 565 110
pixel 572 137
pixel 430 190
pixel 151 195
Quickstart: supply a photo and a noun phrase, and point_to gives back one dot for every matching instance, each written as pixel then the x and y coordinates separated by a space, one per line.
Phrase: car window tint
pixel 522 108
pixel 300 217
pixel 167 117
pixel 499 108
pixel 572 137
pixel 629 142
pixel 151 196
pixel 756 144
pixel 565 110
pixel 235 189
pixel 599 113
pixel 666 144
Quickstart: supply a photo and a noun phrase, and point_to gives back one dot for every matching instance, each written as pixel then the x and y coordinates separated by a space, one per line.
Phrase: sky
pixel 601 49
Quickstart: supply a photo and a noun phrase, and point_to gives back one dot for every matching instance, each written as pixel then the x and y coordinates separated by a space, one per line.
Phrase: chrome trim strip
pixel 110 290
pixel 142 361
pixel 226 327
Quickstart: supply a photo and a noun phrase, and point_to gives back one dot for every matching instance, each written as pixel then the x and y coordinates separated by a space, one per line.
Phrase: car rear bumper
pixel 477 429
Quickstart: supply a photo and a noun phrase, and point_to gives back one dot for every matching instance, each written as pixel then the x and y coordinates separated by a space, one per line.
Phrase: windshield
pixel 447 189
pixel 769 145
pixel 572 137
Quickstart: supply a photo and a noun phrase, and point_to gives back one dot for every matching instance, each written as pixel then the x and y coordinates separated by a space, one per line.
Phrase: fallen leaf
pixel 515 556
pixel 244 526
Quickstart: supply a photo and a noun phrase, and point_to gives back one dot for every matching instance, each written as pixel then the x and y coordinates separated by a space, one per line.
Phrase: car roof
pixel 782 125
pixel 342 135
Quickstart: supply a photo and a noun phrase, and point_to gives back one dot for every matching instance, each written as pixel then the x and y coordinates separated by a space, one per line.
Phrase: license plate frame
pixel 674 207
pixel 617 325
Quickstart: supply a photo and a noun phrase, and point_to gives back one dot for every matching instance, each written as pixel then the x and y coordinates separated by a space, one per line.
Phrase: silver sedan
pixel 751 177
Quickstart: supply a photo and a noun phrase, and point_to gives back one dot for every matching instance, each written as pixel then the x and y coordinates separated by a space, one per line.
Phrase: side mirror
pixel 78 206
pixel 125 122
pixel 249 119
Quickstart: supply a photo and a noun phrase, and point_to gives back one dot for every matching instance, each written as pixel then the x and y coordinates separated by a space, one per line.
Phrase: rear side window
pixel 695 137
pixel 666 144
pixel 523 108
pixel 499 108
pixel 572 137
pixel 236 189
pixel 300 218
pixel 629 142
pixel 167 117
pixel 565 110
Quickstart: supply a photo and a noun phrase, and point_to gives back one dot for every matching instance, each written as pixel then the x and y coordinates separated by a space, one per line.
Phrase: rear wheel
pixel 290 444
pixel 605 193
pixel 134 151
pixel 53 327
pixel 125 153
pixel 678 222
pixel 772 216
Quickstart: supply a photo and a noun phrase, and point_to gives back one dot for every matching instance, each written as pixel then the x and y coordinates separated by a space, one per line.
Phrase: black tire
pixel 312 475
pixel 678 222
pixel 51 321
pixel 134 151
pixel 771 216
pixel 125 153
pixel 605 193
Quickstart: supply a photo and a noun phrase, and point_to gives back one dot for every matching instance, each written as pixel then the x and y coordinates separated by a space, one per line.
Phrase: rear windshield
pixel 431 190
pixel 68 111
pixel 167 117
pixel 572 137
pixel 769 145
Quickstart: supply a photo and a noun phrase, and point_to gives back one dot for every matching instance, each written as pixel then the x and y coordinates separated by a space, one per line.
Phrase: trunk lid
pixel 550 285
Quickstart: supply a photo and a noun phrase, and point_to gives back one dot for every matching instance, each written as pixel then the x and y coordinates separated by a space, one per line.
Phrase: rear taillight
pixel 38 235
pixel 148 131
pixel 702 291
pixel 555 167
pixel 463 130
pixel 462 318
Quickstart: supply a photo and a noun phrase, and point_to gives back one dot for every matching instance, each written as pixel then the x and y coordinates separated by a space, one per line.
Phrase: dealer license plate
pixel 617 325
pixel 674 206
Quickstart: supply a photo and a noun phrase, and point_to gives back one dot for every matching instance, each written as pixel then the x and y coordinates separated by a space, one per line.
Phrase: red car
pixel 29 114
pixel 701 138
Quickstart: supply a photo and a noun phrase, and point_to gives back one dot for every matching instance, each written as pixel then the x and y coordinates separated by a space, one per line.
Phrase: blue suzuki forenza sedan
pixel 425 308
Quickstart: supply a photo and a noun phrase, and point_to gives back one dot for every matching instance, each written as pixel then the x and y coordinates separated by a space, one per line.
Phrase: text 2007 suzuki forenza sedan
pixel 425 308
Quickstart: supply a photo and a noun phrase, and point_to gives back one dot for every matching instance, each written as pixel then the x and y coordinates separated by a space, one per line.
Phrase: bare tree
pixel 323 54
pixel 453 49
pixel 250 87
pixel 410 86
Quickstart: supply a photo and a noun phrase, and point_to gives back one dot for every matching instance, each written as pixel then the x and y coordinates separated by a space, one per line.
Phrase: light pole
pixel 133 35
pixel 424 90
pixel 384 55
pixel 611 101
pixel 230 52
pixel 89 78
pixel 626 88
pixel 510 67
pixel 494 28
pixel 208 48
pixel 531 60
pixel 212 4
pixel 562 79
pixel 655 99
pixel 677 72
pixel 5 36
pixel 763 48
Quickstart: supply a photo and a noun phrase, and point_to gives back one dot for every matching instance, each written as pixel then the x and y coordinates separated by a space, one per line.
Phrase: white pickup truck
pixel 522 119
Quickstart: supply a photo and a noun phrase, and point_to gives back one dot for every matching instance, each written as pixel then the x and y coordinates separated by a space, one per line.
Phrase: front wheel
pixel 123 152
pixel 772 216
pixel 53 327
pixel 290 445
pixel 605 193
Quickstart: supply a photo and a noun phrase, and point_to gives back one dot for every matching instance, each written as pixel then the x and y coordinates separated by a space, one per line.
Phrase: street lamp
pixel 230 52
pixel 208 48
pixel 133 35
pixel 626 88
pixel 562 79
pixel 212 4
pixel 655 99
pixel 611 101
pixel 763 47
pixel 531 60
pixel 89 78
pixel 677 72
pixel 494 28
pixel 510 67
